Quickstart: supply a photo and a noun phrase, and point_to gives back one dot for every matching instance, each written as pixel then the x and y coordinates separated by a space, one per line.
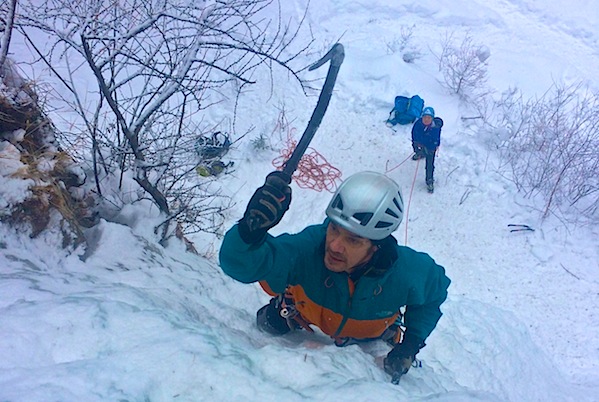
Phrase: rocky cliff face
pixel 41 185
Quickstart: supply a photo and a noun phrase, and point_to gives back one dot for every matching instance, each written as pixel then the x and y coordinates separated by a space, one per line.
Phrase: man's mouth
pixel 335 257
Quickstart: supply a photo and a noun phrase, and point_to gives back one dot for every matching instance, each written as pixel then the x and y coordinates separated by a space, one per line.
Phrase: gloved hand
pixel 397 366
pixel 266 207
pixel 400 358
pixel 269 318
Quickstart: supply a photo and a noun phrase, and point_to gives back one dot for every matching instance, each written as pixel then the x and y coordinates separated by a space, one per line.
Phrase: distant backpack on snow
pixel 406 110
pixel 212 147
pixel 210 150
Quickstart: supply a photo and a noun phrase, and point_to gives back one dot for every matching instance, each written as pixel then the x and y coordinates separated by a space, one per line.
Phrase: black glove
pixel 266 207
pixel 400 358
pixel 269 318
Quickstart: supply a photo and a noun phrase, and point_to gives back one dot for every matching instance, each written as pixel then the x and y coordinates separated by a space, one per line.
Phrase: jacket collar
pixel 380 262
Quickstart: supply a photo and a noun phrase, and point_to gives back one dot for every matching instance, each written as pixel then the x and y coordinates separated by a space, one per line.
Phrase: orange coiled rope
pixel 313 171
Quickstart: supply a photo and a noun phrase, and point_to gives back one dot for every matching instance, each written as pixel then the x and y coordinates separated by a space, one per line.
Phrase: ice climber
pixel 426 137
pixel 347 276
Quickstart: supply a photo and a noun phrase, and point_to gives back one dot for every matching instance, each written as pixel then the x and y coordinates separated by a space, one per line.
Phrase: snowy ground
pixel 128 320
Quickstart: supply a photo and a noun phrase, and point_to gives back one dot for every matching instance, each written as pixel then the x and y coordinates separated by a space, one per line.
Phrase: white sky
pixel 129 320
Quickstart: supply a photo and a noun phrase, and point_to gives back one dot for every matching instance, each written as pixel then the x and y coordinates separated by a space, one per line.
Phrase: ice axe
pixel 336 56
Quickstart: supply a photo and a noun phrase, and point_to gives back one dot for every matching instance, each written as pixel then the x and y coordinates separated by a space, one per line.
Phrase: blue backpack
pixel 406 110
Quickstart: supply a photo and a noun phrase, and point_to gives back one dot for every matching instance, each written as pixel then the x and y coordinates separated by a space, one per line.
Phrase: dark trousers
pixel 430 165
pixel 429 154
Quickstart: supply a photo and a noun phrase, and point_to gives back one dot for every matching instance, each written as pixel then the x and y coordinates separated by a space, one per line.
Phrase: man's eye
pixel 353 241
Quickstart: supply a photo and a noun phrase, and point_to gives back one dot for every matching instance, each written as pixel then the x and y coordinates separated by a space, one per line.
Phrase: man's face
pixel 344 250
pixel 427 120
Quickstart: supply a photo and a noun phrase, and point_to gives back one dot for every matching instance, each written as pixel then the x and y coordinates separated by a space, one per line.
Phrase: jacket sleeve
pixel 417 131
pixel 273 260
pixel 423 311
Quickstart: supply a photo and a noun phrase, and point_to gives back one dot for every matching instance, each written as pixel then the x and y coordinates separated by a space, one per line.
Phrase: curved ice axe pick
pixel 336 56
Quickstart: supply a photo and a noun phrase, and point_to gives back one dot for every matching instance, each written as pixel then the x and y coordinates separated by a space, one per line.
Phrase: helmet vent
pixel 383 224
pixel 363 217
pixel 390 212
pixel 399 207
pixel 337 203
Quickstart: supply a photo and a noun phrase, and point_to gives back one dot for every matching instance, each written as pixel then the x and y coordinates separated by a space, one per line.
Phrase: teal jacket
pixel 340 307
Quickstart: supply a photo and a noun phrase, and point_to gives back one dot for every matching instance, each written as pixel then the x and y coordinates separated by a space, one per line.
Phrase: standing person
pixel 426 137
pixel 346 276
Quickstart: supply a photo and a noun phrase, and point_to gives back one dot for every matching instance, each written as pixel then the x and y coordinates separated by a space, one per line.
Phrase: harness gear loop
pixel 290 314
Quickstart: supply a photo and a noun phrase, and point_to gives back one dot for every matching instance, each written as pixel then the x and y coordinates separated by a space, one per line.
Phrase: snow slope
pixel 129 320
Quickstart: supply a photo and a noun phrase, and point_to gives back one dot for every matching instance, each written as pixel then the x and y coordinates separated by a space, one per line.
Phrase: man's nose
pixel 336 245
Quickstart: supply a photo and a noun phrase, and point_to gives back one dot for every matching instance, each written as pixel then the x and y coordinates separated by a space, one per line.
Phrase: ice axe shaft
pixel 336 56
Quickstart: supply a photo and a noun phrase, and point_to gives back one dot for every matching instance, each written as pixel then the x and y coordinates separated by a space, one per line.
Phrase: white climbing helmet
pixel 368 204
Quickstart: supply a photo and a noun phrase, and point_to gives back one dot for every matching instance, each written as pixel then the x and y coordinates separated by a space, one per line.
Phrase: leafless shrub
pixel 403 43
pixel 400 42
pixel 549 146
pixel 462 64
pixel 158 66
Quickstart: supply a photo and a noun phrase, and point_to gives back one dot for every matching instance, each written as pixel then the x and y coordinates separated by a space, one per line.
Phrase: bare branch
pixel 7 32
pixel 158 65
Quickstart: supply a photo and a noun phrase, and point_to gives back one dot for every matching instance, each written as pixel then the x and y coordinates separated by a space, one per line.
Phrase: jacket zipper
pixel 347 310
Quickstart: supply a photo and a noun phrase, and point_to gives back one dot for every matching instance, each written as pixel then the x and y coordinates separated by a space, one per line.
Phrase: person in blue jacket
pixel 426 137
pixel 346 276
